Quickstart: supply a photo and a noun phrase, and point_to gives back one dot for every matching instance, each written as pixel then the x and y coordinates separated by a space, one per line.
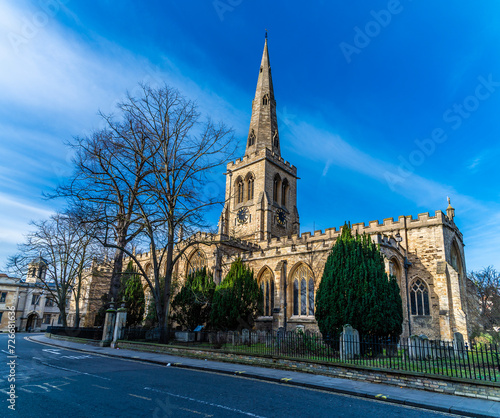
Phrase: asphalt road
pixel 52 382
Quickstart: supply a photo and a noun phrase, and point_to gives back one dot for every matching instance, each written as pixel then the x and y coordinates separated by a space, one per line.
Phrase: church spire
pixel 263 132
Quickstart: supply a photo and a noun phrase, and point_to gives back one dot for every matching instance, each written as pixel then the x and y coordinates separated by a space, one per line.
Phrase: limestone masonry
pixel 260 223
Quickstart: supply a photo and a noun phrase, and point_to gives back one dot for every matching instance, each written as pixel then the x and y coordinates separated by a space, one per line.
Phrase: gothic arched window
pixel 284 192
pixel 196 262
pixel 419 298
pixel 251 138
pixel 265 100
pixel 239 190
pixel 456 260
pixel 250 181
pixel 276 139
pixel 267 286
pixel 276 187
pixel 303 291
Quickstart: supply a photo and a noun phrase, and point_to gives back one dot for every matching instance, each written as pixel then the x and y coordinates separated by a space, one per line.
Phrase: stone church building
pixel 260 223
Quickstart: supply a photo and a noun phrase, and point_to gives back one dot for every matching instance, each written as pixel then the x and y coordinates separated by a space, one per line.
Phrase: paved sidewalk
pixel 428 400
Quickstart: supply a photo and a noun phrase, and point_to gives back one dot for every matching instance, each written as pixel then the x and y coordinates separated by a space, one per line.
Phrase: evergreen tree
pixel 191 306
pixel 355 290
pixel 133 293
pixel 238 300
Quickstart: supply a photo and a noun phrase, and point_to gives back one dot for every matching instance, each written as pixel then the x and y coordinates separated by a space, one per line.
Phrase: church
pixel 260 223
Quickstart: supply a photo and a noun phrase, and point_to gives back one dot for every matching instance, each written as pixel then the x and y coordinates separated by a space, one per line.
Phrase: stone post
pixel 121 321
pixel 109 325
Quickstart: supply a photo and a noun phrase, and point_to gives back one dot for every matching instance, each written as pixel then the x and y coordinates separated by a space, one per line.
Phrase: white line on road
pixel 227 408
pixel 73 371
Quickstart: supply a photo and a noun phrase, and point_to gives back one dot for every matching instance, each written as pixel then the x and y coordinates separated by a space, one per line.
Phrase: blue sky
pixel 385 107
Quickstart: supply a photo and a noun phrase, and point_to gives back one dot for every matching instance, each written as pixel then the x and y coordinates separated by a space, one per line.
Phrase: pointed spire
pixel 263 132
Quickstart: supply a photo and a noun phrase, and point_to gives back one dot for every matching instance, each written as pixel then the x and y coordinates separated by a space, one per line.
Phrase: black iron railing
pixel 453 359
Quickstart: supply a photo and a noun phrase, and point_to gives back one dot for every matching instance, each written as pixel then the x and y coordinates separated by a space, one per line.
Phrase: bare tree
pixel 106 181
pixel 484 296
pixel 66 249
pixel 145 178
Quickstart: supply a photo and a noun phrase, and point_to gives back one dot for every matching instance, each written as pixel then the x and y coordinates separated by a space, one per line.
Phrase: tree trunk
pixel 168 284
pixel 77 314
pixel 114 288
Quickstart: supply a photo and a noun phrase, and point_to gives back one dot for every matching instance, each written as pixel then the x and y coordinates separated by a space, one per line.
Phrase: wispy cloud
pixel 53 82
pixel 330 149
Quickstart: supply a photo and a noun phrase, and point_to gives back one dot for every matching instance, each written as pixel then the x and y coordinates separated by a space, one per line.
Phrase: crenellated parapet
pixel 251 158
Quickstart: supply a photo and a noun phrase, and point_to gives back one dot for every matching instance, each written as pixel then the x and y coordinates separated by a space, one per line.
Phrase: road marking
pixel 239 371
pixel 101 387
pixel 69 378
pixel 56 387
pixel 77 357
pixel 196 412
pixel 177 364
pixel 380 396
pixel 51 350
pixel 286 379
pixel 73 371
pixel 227 408
pixel 142 397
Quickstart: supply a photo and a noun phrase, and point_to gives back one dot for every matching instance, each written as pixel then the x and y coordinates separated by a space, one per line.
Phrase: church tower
pixel 261 187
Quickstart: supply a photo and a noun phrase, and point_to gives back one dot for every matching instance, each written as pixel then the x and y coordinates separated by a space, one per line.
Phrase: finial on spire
pixel 266 33
pixel 448 200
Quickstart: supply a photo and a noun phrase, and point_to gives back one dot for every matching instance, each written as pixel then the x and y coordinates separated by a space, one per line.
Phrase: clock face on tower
pixel 281 217
pixel 242 215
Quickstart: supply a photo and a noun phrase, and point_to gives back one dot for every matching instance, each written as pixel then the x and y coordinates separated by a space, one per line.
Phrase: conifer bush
pixel 238 300
pixel 133 293
pixel 192 305
pixel 355 290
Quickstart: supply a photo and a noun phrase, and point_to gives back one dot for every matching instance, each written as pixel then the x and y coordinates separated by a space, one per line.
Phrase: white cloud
pixel 53 81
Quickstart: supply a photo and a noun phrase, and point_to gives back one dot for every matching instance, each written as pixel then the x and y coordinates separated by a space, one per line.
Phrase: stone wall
pixel 433 245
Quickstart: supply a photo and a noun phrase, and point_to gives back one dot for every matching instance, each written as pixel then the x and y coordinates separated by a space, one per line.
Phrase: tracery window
pixel 284 192
pixel 267 286
pixel 265 100
pixel 419 298
pixel 197 262
pixel 250 182
pixel 303 291
pixel 251 138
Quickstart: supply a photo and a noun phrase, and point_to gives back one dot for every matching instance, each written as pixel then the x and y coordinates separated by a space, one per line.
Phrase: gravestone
pixel 426 350
pixel 349 342
pixel 185 336
pixel 414 347
pixel 245 336
pixel 419 347
pixel 459 345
